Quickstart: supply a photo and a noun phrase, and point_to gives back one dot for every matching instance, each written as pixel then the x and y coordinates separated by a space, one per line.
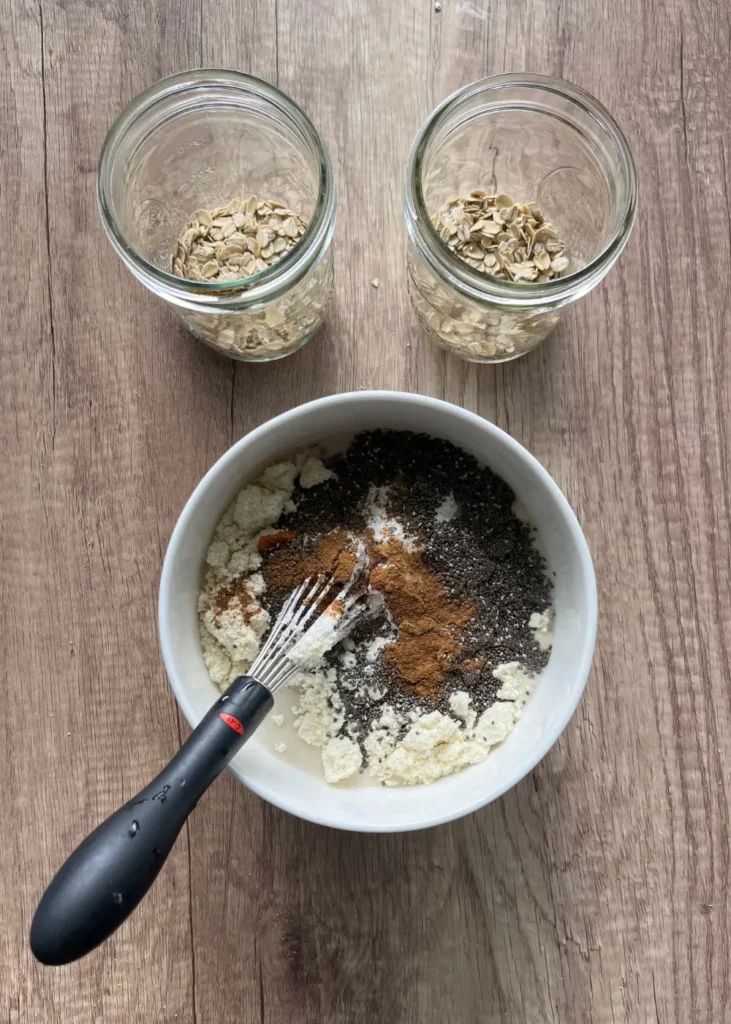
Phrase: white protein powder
pixel 230 639
pixel 436 744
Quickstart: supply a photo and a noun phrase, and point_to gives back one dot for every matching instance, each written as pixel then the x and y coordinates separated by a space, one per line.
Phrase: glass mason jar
pixel 536 139
pixel 196 141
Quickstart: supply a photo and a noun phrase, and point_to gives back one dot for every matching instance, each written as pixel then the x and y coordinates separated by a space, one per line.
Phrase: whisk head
pixel 313 610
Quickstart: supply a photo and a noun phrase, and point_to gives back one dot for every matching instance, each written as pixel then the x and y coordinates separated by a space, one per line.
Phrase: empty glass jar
pixel 538 140
pixel 196 141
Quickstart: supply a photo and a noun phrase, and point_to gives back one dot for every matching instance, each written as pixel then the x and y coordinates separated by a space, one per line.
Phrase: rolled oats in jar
pixel 476 331
pixel 269 330
pixel 217 192
pixel 520 196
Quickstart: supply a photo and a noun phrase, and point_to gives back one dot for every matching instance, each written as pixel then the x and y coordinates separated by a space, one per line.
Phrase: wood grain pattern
pixel 597 891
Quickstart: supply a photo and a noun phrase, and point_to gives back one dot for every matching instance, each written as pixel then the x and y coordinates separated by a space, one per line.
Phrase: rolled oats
pixel 233 242
pixel 476 331
pixel 502 239
pixel 482 229
pixel 266 229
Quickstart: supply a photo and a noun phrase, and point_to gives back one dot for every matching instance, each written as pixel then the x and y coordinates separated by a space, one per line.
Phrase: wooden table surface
pixel 598 889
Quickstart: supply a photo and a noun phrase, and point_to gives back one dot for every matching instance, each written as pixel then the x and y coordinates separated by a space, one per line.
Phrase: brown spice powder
pixel 428 621
pixel 274 540
pixel 334 555
pixel 235 591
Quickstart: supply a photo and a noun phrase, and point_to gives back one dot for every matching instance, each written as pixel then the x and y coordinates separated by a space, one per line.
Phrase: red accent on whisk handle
pixel 107 875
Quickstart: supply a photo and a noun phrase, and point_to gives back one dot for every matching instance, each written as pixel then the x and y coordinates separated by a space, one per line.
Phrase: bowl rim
pixel 329 816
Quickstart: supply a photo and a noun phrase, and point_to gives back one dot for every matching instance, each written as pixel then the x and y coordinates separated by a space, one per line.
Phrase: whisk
pixel 108 874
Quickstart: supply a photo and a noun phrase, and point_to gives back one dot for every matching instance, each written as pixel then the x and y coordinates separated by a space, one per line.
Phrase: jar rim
pixel 241 293
pixel 481 287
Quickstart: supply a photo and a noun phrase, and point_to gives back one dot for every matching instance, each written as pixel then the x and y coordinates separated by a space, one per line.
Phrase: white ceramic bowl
pixel 377 808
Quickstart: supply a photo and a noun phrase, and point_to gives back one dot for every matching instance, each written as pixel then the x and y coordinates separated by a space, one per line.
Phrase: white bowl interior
pixel 376 808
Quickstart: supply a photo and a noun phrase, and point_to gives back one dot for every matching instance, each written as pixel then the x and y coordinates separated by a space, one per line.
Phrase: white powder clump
pixel 495 723
pixel 447 511
pixel 257 507
pixel 280 477
pixel 320 638
pixel 314 472
pixel 218 554
pixel 517 683
pixel 436 744
pixel 280 747
pixel 246 559
pixel 542 625
pixel 460 705
pixel 232 624
pixel 319 714
pixel 238 637
pixel 383 735
pixel 217 663
pixel 376 646
pixel 341 758
pixel 433 746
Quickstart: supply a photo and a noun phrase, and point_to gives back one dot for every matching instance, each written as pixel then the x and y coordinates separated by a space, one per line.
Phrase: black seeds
pixel 485 553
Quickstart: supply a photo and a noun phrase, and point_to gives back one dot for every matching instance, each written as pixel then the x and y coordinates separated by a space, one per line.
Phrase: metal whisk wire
pixel 301 609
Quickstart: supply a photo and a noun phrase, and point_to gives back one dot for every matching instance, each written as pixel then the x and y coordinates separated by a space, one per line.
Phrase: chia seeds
pixel 462 518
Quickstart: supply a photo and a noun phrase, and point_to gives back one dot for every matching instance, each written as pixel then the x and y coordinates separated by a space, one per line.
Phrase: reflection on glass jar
pixel 271 330
pixel 479 332
pixel 194 142
pixel 540 141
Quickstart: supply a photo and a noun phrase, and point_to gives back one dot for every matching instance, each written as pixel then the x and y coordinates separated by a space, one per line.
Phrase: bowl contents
pixel 458 623
pixel 509 241
pixel 236 240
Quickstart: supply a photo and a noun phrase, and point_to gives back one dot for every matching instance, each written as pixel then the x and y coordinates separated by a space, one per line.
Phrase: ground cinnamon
pixel 237 590
pixel 334 556
pixel 428 621
pixel 275 540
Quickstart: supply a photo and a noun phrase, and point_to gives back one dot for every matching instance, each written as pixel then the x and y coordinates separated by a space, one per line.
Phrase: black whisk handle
pixel 107 875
